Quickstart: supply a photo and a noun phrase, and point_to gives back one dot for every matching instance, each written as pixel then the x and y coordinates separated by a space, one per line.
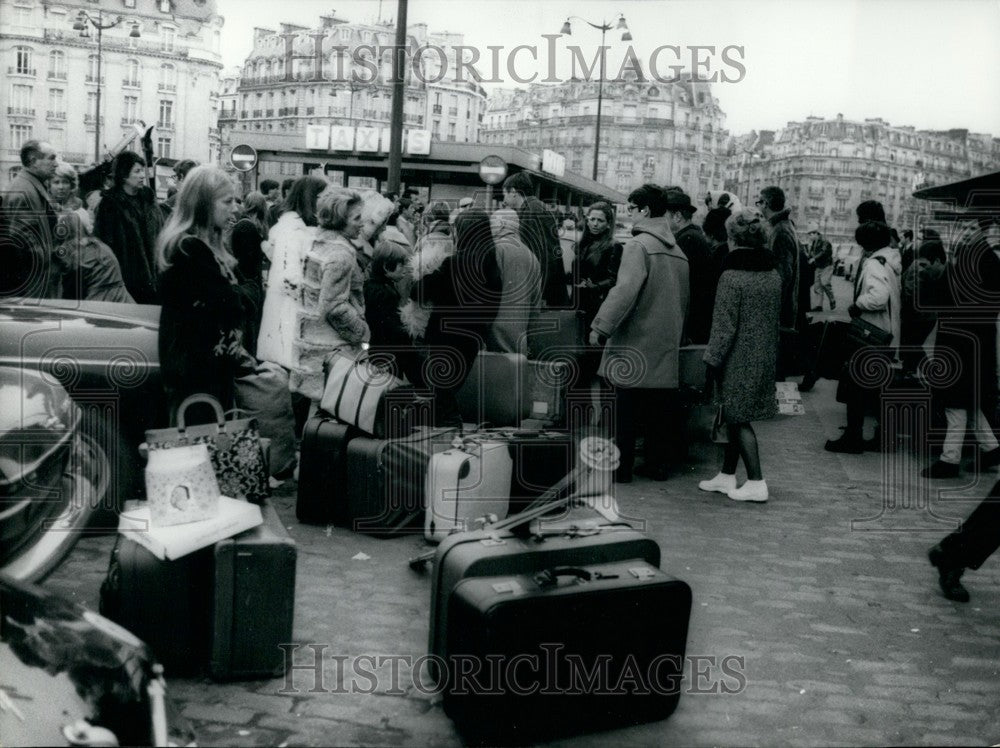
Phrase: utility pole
pixel 399 59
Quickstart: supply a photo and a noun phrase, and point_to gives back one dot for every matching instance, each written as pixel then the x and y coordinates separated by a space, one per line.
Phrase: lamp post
pixel 83 18
pixel 604 28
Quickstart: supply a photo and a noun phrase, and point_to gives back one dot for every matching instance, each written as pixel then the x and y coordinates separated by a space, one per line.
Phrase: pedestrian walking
pixel 820 254
pixel 968 547
pixel 128 221
pixel 742 352
pixel 640 324
pixel 202 317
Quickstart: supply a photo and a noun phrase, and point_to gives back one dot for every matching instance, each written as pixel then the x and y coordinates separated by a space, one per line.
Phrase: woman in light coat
pixel 743 350
pixel 288 242
pixel 333 313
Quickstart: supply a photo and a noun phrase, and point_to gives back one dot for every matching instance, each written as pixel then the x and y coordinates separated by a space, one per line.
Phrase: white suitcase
pixel 465 483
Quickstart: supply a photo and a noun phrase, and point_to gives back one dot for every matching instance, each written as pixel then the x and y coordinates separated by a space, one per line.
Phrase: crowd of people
pixel 297 271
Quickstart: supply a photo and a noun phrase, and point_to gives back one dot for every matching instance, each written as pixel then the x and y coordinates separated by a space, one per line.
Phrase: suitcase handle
pixel 550 577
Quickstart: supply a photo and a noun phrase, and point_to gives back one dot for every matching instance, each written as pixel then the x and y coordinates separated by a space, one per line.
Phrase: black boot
pixel 939 469
pixel 989 459
pixel 949 576
pixel 846 444
pixel 808 382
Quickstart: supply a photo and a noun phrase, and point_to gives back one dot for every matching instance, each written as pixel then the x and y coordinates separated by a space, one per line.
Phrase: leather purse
pixel 234 446
pixel 862 334
pixel 354 388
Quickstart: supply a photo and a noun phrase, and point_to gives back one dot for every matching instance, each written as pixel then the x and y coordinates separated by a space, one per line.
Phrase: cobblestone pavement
pixel 845 636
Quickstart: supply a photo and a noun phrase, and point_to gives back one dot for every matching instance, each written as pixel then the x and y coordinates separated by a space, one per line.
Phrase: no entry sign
pixel 492 169
pixel 243 157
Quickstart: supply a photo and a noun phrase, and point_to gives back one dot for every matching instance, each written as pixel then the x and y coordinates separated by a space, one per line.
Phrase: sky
pixel 926 63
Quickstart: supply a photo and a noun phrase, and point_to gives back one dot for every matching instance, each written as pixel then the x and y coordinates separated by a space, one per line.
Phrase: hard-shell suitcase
pixel 323 471
pixel 555 333
pixel 254 601
pixel 167 604
pixel 466 482
pixel 492 552
pixel 564 649
pixel 548 383
pixel 386 479
pixel 496 390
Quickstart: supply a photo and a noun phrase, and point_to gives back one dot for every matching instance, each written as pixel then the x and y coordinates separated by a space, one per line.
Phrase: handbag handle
pixel 200 398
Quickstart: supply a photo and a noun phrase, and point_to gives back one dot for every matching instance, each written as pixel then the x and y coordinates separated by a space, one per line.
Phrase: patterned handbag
pixel 234 446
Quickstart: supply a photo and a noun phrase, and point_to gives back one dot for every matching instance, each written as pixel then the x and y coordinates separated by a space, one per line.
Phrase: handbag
pixel 354 388
pixel 861 334
pixel 181 485
pixel 720 434
pixel 265 396
pixel 234 447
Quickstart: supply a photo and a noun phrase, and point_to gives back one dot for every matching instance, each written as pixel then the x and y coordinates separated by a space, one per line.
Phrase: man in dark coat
pixel 27 223
pixel 820 255
pixel 541 234
pixel 704 278
pixel 784 245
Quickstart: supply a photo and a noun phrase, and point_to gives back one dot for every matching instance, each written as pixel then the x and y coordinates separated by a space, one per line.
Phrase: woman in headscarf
pixel 129 220
pixel 742 352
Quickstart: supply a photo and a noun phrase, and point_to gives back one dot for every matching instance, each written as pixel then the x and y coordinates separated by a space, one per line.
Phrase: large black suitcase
pixel 385 492
pixel 254 601
pixel 515 550
pixel 564 649
pixel 167 604
pixel 323 471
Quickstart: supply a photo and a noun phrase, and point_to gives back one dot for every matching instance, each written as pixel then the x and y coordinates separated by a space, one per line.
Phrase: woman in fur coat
pixel 454 301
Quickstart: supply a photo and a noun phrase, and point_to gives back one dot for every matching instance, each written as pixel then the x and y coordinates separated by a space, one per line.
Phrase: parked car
pixel 69 676
pixel 105 356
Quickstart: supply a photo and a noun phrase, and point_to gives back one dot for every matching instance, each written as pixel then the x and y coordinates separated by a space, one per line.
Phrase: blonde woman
pixel 333 314
pixel 201 323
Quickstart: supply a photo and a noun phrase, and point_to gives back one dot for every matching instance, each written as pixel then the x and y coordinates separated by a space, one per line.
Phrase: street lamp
pixel 604 28
pixel 84 18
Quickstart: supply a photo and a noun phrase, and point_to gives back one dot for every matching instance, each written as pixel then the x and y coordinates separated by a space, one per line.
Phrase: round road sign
pixel 243 157
pixel 492 169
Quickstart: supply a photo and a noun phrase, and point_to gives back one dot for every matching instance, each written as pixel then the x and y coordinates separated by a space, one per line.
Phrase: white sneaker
pixel 722 483
pixel 752 490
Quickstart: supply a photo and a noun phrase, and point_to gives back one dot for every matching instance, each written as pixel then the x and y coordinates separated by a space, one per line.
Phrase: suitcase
pixel 323 471
pixel 541 458
pixel 465 483
pixel 495 390
pixel 565 648
pixel 548 383
pixel 386 479
pixel 511 550
pixel 254 601
pixel 167 604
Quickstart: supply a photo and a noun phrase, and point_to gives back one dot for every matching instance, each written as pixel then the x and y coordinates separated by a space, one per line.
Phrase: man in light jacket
pixel 642 319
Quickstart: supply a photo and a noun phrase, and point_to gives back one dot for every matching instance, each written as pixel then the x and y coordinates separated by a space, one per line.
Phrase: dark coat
pixel 821 253
pixel 744 341
pixel 541 235
pixel 27 226
pixel 784 246
pixel 201 326
pixel 967 332
pixel 246 243
pixel 598 262
pixel 696 247
pixel 389 339
pixel 129 225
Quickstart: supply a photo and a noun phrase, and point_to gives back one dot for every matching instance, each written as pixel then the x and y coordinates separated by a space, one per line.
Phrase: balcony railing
pixel 126 121
pixel 93 79
pixel 55 115
pixel 269 113
pixel 133 82
pixel 168 87
pixel 91 119
pixel 453 111
pixel 21 70
pixel 56 76
pixel 437 109
pixel 21 111
pixel 257 113
pixel 165 125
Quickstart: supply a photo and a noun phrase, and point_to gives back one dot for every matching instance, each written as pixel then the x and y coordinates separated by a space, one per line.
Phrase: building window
pixel 129 3
pixel 166 114
pixel 169 39
pixel 57 65
pixel 451 131
pixel 20 99
pixel 131 73
pixel 22 64
pixel 57 103
pixel 91 105
pixel 92 65
pixel 163 147
pixel 19 134
pixel 168 77
pixel 164 6
pixel 130 110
